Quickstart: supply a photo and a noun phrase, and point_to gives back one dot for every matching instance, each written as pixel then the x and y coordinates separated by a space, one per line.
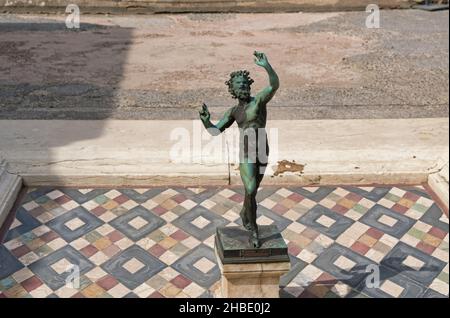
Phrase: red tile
pixel 2 295
pixel 107 282
pixel 353 197
pixel 179 198
pixel 156 295
pixel 376 234
pixel 89 250
pixel 62 199
pixel 98 210
pixel 180 281
pixel 20 251
pixel 78 295
pixel 360 248
pixel 326 279
pixel 296 197
pixel 31 283
pixel 279 209
pixel 49 236
pixel 437 232
pixel 294 249
pixel 115 236
pixel 159 210
pixel 339 209
pixel 179 235
pixel 307 294
pixel 111 250
pixel 310 233
pixel 237 198
pixel 121 199
pixel 157 250
pixel 37 211
pixel 411 196
pixel 424 247
pixel 399 208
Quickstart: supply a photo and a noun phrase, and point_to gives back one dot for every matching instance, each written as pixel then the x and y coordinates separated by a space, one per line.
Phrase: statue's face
pixel 241 87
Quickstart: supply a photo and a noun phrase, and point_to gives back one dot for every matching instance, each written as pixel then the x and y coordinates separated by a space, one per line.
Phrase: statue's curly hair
pixel 245 74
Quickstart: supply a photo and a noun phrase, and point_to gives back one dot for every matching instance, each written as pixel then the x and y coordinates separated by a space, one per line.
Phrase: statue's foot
pixel 255 240
pixel 245 221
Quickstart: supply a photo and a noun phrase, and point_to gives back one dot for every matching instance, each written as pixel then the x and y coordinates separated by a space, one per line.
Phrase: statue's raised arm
pixel 267 93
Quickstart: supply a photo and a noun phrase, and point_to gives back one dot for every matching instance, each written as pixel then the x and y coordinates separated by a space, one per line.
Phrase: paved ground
pixel 158 242
pixel 164 66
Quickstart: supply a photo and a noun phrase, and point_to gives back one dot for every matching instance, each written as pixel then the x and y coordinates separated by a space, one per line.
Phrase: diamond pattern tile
pixel 158 242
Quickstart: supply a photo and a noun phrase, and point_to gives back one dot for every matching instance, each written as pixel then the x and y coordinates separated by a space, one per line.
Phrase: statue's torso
pixel 251 115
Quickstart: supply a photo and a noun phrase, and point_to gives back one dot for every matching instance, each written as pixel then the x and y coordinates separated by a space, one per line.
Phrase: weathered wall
pixel 154 6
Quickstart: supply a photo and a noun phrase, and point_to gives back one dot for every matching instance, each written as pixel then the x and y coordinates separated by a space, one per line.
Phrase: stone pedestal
pixel 10 186
pixel 247 272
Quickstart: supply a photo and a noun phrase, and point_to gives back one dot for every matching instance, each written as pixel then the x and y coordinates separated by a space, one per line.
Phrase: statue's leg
pixel 249 175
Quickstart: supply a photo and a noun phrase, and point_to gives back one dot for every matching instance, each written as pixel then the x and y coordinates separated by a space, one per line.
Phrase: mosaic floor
pixel 158 242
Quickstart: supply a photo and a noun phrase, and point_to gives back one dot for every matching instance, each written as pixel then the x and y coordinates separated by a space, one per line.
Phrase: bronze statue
pixel 250 115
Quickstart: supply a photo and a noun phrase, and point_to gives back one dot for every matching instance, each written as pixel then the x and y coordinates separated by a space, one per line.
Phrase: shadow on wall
pixel 57 69
pixel 58 72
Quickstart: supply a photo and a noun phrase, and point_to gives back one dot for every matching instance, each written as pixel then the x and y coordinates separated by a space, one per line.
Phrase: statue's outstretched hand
pixel 204 113
pixel 260 59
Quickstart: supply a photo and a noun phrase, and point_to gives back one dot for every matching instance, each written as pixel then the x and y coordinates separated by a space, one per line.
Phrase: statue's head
pixel 239 84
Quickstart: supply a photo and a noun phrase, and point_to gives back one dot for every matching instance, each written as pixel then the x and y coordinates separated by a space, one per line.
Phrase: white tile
pixel 118 291
pixel 168 257
pixel 22 275
pixel 90 205
pixel 307 256
pixel 95 274
pixel 145 243
pixel 124 243
pixel 296 227
pixel 264 220
pixel 30 205
pixel 423 227
pixel 398 192
pixel 133 265
pixel 80 243
pixel 57 243
pixel 107 216
pixel 341 192
pixel 387 220
pixel 344 263
pixel 98 258
pixel 62 266
pixel 143 291
pixel 413 262
pixel 208 204
pixel 66 292
pixel 85 190
pixel 386 203
pixel 28 258
pixel 149 204
pixel 325 221
pixel 41 292
pixel 326 203
pixel 105 229
pixel 74 224
pixel 204 265
pixel 55 194
pixel 41 230
pixel 200 222
pixel 268 203
pixel 130 204
pixel 138 222
pixel 284 192
pixel 193 290
pixel 439 286
pixel 168 273
pixel 188 204
pixel 70 205
pixel 169 216
pixel 112 194
pixel 227 193
pixel 391 288
pixel 168 229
